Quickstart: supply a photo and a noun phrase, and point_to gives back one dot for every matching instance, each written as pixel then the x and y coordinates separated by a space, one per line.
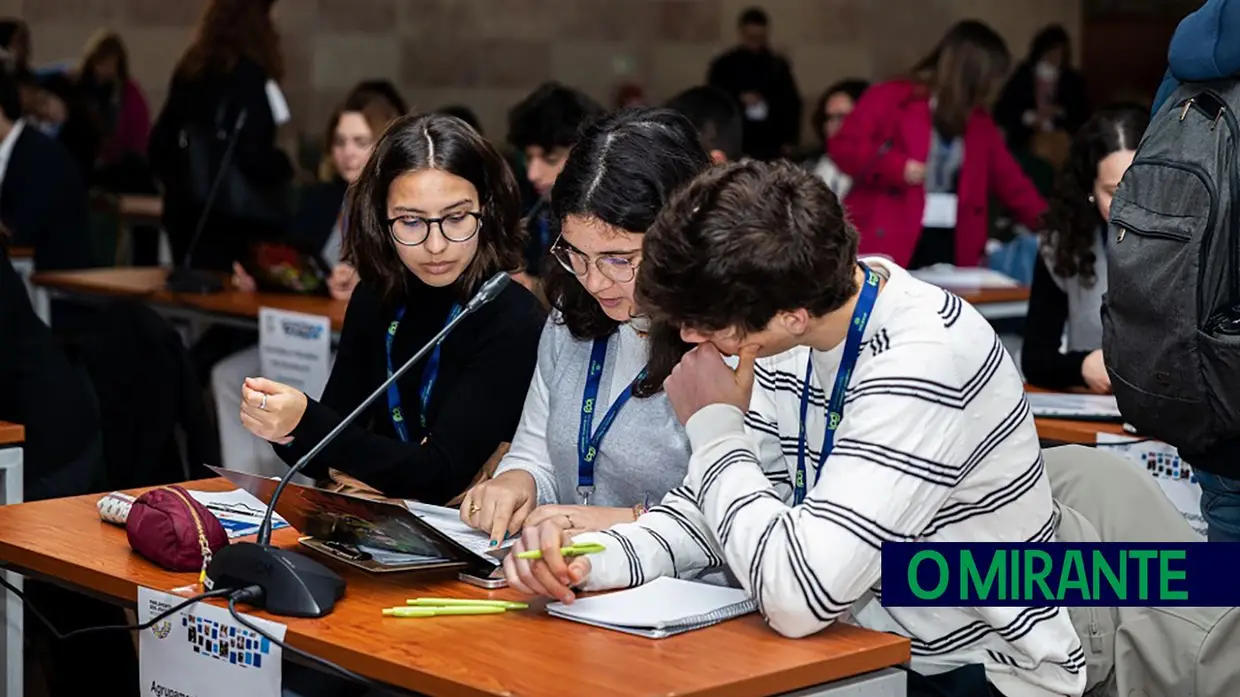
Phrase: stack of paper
pixel 659 609
pixel 238 511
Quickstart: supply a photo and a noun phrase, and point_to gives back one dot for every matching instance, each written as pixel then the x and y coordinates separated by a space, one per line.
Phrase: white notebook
pixel 659 609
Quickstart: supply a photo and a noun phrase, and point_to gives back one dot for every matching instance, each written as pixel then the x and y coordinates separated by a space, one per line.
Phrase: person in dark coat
pixel 1045 93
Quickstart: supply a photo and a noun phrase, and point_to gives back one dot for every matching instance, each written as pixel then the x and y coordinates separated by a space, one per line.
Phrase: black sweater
pixel 1041 360
pixel 485 369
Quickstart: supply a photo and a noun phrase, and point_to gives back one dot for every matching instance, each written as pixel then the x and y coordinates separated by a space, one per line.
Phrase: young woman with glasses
pixel 433 215
pixel 590 453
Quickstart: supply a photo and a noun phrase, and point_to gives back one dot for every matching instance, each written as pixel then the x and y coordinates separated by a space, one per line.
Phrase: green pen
pixel 570 551
pixel 465 602
pixel 442 611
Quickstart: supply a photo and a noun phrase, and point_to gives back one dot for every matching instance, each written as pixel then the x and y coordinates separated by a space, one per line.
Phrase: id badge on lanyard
pixel 589 439
pixel 429 375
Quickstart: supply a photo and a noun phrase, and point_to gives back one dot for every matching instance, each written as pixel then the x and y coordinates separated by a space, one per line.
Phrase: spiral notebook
pixel 659 609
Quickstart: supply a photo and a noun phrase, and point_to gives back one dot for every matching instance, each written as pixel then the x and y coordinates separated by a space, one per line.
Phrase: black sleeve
pixel 1040 358
pixel 1014 100
pixel 162 144
pixel 257 155
pixel 721 76
pixel 790 105
pixel 480 411
pixel 1074 100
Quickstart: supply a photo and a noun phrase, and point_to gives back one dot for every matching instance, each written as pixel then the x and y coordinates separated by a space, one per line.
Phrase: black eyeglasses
pixel 411 231
pixel 617 268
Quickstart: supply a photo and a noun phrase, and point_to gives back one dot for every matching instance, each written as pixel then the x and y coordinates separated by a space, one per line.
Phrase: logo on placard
pixel 162 629
pixel 302 330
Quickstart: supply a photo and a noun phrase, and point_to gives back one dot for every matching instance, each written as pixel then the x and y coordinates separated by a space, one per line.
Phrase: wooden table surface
pixel 147 283
pixel 518 654
pixel 12 434
pixel 983 296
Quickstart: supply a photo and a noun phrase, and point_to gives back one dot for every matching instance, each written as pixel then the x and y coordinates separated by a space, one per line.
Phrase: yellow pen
pixel 442 611
pixel 570 551
pixel 465 602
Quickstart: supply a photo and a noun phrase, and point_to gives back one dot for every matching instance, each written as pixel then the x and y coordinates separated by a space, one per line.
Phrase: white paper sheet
pixel 1068 405
pixel 448 521
pixel 202 651
pixel 238 511
pixel 295 349
pixel 948 276
pixel 1161 461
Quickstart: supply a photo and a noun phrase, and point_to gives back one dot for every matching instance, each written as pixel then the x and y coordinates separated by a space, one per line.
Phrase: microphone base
pixel 293 585
pixel 185 280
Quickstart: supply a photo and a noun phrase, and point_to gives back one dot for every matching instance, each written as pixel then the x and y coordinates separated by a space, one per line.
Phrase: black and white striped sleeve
pixel 896 459
pixel 674 538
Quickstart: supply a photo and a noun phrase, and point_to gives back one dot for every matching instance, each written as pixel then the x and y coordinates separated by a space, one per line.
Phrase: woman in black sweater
pixel 434 214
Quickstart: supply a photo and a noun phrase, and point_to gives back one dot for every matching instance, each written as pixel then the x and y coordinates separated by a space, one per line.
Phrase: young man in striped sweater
pixel 929 436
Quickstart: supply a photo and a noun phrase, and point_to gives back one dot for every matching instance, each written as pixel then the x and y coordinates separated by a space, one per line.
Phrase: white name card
pixel 295 349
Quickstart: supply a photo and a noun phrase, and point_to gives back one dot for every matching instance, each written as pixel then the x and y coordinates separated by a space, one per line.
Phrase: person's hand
pixel 271 410
pixel 1094 370
pixel 914 172
pixel 702 379
pixel 574 519
pixel 499 506
pixel 243 281
pixel 342 281
pixel 550 576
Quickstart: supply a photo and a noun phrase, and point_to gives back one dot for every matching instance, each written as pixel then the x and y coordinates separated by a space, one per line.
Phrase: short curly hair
pixel 740 244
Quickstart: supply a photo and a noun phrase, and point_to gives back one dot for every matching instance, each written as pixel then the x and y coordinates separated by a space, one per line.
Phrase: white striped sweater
pixel 936 444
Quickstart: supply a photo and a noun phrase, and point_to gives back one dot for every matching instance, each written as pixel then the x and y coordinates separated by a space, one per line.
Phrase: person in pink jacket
pixel 925 156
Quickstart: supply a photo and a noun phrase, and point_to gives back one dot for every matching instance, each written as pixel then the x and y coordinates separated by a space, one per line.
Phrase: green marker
pixel 465 602
pixel 442 611
pixel 570 551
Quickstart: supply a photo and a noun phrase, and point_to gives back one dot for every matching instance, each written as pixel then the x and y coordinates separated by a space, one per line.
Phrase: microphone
pixel 184 279
pixel 295 585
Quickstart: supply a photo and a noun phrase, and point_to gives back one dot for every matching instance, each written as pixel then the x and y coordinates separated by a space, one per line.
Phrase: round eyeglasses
pixel 617 268
pixel 411 231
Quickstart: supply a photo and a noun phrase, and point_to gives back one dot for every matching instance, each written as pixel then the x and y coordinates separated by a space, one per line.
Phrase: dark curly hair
pixel 551 117
pixel 622 172
pixel 1073 220
pixel 412 143
pixel 739 245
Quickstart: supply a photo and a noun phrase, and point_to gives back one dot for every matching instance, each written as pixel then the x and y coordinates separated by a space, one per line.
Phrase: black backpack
pixel 1171 314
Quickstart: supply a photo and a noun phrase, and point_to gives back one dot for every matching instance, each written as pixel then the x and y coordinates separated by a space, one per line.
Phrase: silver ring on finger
pixel 263 404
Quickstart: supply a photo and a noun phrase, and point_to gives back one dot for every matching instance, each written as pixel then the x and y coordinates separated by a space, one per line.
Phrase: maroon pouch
pixel 167 526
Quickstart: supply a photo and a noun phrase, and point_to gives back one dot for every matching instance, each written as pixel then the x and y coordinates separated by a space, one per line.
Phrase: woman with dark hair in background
pixel 433 215
pixel 594 349
pixel 832 108
pixel 925 156
pixel 1044 94
pixel 232 67
pixel 114 99
pixel 1071 277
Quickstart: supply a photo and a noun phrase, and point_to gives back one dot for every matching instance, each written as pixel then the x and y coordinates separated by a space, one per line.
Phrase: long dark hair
pixel 961 71
pixel 621 172
pixel 1073 219
pixel 446 143
pixel 1048 39
pixel 230 30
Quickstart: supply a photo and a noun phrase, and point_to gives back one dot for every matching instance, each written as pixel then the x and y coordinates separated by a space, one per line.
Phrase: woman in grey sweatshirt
pixel 589 453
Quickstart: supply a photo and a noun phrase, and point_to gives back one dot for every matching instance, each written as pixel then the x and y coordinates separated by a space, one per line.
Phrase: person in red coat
pixel 925 156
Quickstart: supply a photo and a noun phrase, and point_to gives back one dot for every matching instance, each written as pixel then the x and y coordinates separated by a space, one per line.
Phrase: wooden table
pixel 12 436
pixel 527 653
pixel 148 284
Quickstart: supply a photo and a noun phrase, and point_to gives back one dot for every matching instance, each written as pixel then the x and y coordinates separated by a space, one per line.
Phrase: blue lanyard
pixel 429 374
pixel 835 406
pixel 587 443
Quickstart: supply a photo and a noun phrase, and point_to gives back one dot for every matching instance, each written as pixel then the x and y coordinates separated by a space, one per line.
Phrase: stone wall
pixel 489 53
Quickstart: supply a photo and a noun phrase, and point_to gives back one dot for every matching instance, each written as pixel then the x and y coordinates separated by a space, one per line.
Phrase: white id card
pixel 940 211
pixel 757 111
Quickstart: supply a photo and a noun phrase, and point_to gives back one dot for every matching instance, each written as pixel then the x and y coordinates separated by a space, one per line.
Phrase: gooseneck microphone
pixel 293 584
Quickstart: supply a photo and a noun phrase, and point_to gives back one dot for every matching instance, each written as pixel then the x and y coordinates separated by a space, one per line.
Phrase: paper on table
pixel 948 276
pixel 660 608
pixel 1174 476
pixel 448 521
pixel 1068 405
pixel 239 511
